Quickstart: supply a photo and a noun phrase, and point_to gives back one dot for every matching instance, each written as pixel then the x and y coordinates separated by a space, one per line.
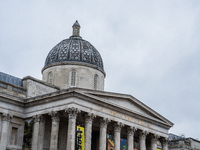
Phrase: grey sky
pixel 150 49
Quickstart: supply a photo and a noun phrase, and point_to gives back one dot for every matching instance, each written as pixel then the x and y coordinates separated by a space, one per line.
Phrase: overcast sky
pixel 150 48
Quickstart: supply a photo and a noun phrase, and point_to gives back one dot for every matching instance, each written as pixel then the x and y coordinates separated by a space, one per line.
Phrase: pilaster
pixel 5 130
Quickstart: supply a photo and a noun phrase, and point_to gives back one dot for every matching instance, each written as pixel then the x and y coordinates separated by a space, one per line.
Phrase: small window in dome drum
pixel 95 81
pixel 73 77
pixel 50 77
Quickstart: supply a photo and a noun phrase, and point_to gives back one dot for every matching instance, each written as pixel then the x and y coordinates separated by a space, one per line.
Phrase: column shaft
pixel 71 133
pixel 165 146
pixel 54 131
pixel 130 137
pixel 41 133
pixel 35 135
pixel 130 142
pixel 165 143
pixel 88 134
pixel 117 135
pixel 154 139
pixel 88 130
pixel 142 138
pixel 103 133
pixel 72 114
pixel 5 131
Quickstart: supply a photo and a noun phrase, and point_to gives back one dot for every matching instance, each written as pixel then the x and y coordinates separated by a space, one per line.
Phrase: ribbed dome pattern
pixel 74 49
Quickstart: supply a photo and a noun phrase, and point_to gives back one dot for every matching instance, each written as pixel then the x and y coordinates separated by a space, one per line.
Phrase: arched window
pixel 73 77
pixel 95 81
pixel 50 77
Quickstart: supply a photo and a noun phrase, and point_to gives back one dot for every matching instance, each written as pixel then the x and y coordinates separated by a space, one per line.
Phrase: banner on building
pixel 80 138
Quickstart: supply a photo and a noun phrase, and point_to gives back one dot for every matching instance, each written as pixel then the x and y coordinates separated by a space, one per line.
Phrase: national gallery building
pixel 70 109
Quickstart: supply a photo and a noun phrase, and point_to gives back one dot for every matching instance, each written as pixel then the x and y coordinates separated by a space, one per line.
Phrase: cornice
pixel 74 63
pixel 10 99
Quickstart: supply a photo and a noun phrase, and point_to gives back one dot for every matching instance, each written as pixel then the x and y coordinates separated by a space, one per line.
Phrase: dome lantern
pixel 76 29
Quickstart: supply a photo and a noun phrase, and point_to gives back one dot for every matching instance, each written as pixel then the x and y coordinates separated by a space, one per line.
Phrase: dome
pixel 74 50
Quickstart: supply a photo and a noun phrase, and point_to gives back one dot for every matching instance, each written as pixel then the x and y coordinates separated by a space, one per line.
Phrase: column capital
pixel 39 118
pixel 118 126
pixel 7 117
pixel 131 130
pixel 55 116
pixel 154 138
pixel 164 140
pixel 103 122
pixel 143 134
pixel 89 117
pixel 72 112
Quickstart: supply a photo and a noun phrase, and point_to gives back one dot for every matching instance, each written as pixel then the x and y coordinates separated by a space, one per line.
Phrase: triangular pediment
pixel 129 103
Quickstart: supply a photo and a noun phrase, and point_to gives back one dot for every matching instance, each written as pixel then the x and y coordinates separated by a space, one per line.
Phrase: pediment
pixel 131 104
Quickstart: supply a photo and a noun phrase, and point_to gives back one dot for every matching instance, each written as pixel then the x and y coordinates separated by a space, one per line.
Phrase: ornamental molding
pixel 74 63
pixel 7 117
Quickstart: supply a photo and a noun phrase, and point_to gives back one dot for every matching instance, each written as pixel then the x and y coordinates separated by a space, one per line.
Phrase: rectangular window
pixel 14 136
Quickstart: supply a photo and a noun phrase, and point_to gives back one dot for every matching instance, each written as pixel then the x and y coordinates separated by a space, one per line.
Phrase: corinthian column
pixel 72 114
pixel 103 132
pixel 88 130
pixel 154 139
pixel 117 134
pixel 165 143
pixel 142 138
pixel 36 127
pixel 55 117
pixel 130 137
pixel 41 133
pixel 5 130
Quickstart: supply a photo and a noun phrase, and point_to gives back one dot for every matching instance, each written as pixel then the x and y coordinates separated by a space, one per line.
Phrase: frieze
pixel 115 113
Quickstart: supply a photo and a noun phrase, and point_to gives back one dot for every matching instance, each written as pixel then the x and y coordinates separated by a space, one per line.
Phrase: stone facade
pixel 183 143
pixel 57 108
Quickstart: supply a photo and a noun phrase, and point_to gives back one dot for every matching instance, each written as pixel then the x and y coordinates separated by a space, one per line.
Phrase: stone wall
pixel 37 87
pixel 12 89
pixel 84 77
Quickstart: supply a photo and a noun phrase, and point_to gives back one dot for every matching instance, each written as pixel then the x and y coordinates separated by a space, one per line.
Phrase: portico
pixel 94 114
